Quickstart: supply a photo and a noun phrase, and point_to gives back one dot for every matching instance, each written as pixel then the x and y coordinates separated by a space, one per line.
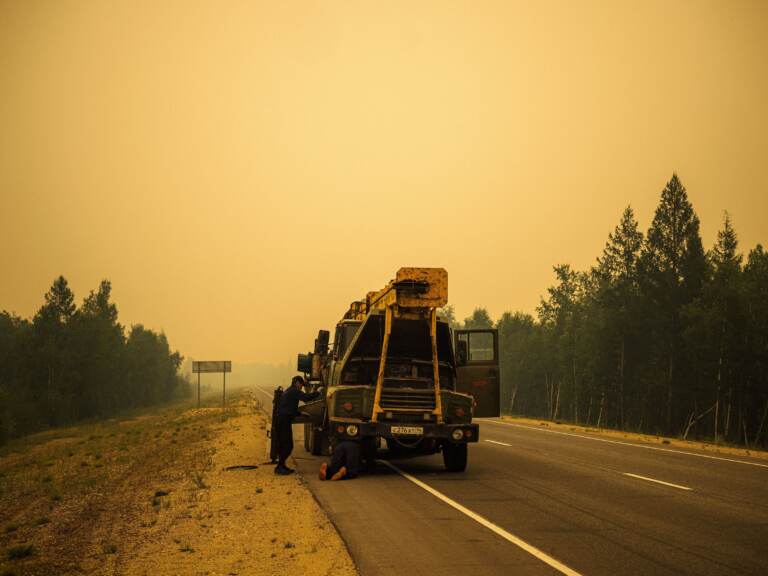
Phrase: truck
pixel 396 373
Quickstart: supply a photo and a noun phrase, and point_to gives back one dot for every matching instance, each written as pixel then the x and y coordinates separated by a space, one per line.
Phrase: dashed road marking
pixel 546 558
pixel 499 443
pixel 656 481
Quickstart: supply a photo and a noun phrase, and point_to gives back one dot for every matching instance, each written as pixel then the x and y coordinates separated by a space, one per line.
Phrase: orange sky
pixel 241 171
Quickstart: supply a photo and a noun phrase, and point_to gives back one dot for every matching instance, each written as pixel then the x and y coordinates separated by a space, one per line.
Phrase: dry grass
pixel 62 490
pixel 161 493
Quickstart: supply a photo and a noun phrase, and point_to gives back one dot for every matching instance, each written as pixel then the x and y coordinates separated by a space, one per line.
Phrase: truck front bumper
pixel 454 433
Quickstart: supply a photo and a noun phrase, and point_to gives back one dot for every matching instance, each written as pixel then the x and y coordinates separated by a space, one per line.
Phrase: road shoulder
pixel 244 521
pixel 634 437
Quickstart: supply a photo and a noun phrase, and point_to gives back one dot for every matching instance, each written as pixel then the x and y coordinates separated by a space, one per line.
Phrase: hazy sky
pixel 241 171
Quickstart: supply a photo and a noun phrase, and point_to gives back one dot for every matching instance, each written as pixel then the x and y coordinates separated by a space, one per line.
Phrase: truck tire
pixel 455 457
pixel 316 441
pixel 368 452
pixel 395 449
pixel 307 433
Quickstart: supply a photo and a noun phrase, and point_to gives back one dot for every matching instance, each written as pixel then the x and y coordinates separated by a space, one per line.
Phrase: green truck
pixel 396 373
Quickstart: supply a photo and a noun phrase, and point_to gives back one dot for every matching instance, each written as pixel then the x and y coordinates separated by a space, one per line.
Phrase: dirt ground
pixel 163 493
pixel 646 438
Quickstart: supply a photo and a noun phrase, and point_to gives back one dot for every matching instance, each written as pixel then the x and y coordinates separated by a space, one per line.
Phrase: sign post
pixel 214 366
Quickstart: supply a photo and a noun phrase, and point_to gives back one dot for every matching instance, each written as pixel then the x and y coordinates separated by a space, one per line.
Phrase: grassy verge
pixel 71 498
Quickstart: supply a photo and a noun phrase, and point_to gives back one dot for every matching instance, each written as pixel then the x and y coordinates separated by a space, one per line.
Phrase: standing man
pixel 287 410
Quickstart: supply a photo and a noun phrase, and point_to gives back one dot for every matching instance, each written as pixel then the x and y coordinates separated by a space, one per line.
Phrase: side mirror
pixel 304 363
pixel 461 352
pixel 321 342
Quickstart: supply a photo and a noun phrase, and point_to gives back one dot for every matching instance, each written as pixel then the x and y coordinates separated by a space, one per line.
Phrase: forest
pixel 659 336
pixel 71 363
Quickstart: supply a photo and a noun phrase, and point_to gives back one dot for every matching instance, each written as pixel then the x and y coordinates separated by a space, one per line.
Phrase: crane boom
pixel 415 289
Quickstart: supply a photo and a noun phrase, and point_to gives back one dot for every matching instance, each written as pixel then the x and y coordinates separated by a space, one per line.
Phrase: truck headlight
pixel 457 434
pixel 352 430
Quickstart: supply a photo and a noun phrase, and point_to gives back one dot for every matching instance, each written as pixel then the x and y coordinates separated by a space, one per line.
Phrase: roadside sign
pixel 215 366
pixel 212 366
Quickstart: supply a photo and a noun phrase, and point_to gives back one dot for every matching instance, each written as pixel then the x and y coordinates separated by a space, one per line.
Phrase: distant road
pixel 538 501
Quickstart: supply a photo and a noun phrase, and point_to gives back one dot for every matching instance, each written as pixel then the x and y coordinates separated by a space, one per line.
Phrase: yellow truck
pixel 397 372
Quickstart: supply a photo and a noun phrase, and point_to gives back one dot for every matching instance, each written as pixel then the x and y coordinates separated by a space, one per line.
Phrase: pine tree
pixel 615 308
pixel 52 342
pixel 559 316
pixel 713 333
pixel 97 347
pixel 756 346
pixel 618 263
pixel 674 268
pixel 59 305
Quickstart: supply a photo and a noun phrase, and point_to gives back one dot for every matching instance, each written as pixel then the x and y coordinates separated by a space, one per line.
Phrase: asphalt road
pixel 535 501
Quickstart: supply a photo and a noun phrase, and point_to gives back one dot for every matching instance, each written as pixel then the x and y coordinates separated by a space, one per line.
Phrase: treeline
pixel 659 336
pixel 68 363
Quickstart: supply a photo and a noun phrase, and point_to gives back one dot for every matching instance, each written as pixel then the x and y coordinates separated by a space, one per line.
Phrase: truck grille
pixel 417 399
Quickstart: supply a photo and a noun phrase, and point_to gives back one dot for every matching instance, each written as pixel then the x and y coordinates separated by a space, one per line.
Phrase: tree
pixel 70 363
pixel 657 336
pixel 51 342
pixel 151 367
pixel 559 315
pixel 674 268
pixel 479 319
pixel 518 360
pixel 617 266
pixel 97 349
pixel 616 306
pixel 16 410
pixel 713 334
pixel 755 287
pixel 449 314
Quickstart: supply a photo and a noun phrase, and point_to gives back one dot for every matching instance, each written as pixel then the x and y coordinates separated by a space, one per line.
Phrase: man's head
pixel 297 382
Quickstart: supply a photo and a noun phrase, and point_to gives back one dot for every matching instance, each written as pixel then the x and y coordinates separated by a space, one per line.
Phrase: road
pixel 537 501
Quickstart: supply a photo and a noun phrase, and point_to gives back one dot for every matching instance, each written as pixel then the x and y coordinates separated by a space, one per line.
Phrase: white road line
pixel 657 481
pixel 267 394
pixel 628 444
pixel 559 566
pixel 499 443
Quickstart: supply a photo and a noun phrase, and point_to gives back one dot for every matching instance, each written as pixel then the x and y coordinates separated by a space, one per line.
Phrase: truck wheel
pixel 368 451
pixel 317 441
pixel 455 457
pixel 307 434
pixel 395 450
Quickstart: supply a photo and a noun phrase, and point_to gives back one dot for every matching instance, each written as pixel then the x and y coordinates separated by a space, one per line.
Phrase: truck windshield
pixel 344 334
pixel 398 373
pixel 409 358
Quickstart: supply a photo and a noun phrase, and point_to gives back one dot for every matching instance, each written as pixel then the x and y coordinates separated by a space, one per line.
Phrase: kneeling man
pixel 345 461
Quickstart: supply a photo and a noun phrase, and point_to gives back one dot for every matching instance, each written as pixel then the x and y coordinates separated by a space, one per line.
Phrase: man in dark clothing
pixel 287 410
pixel 345 461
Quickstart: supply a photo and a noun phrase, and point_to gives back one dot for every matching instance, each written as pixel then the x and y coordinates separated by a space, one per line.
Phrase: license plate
pixel 410 430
